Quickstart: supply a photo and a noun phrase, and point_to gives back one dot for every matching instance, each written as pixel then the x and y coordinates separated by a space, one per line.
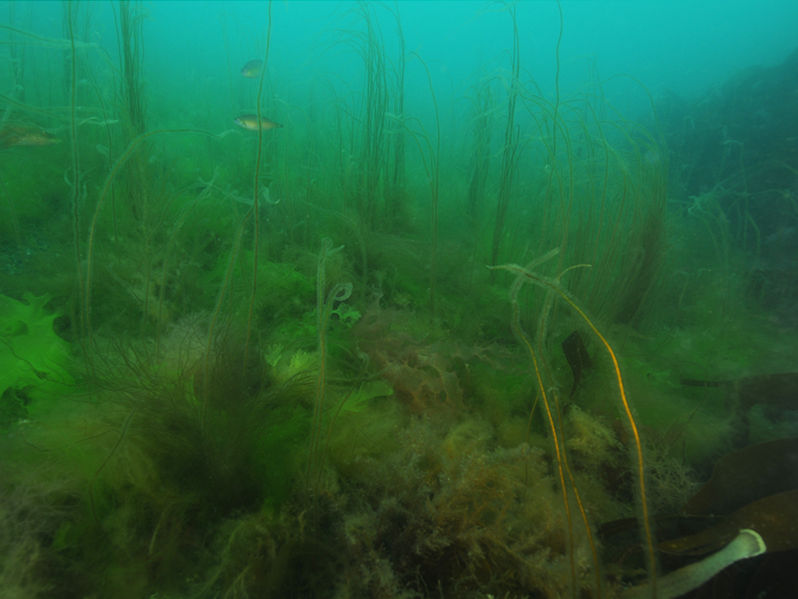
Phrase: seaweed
pixel 203 395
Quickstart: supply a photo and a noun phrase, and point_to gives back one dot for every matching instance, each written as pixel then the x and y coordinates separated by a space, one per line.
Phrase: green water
pixel 275 363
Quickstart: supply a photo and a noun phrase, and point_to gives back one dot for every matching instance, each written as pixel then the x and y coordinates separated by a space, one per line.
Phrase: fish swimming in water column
pixel 252 69
pixel 25 135
pixel 250 122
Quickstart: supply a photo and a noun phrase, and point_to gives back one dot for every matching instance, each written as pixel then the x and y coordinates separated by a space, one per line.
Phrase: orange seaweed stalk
pixel 526 274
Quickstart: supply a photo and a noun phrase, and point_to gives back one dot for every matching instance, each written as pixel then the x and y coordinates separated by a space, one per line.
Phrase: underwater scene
pixel 393 300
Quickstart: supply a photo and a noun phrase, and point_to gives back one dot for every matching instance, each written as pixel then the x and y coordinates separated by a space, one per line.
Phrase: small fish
pixel 252 69
pixel 250 122
pixel 25 135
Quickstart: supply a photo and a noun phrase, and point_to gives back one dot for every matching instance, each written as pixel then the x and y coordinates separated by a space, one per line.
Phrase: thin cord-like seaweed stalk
pixel 73 135
pixel 396 208
pixel 555 176
pixel 340 292
pixel 373 54
pixel 556 83
pixel 50 42
pixel 553 285
pixel 105 191
pixel 178 225
pixel 480 153
pixel 217 310
pixel 510 150
pixel 130 41
pixel 523 339
pixel 255 195
pixel 582 511
pixel 434 176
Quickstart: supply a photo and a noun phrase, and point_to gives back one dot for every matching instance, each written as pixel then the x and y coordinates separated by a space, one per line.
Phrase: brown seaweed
pixel 774 518
pixel 776 393
pixel 747 508
pixel 746 475
pixel 778 390
pixel 578 359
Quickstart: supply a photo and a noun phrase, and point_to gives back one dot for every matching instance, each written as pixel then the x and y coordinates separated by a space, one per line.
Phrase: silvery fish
pixel 25 135
pixel 250 122
pixel 252 69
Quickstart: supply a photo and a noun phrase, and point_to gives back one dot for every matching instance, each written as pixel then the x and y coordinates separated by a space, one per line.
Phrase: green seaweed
pixel 197 401
pixel 34 360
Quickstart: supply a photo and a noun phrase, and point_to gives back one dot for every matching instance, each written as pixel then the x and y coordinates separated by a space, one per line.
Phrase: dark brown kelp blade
pixel 765 526
pixel 748 474
pixel 578 359
pixel 775 393
pixel 775 518
pixel 779 390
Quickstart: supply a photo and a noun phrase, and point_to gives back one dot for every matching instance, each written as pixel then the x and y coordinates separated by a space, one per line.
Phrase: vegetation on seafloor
pixel 223 376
